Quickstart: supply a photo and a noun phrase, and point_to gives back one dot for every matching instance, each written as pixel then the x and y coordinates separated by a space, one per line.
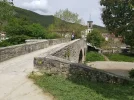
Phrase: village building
pixel 2 36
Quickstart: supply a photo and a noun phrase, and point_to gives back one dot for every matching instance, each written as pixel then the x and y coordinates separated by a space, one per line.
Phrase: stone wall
pixel 80 71
pixel 17 50
pixel 69 52
pixel 58 66
pixel 57 63
pixel 72 51
pixel 52 65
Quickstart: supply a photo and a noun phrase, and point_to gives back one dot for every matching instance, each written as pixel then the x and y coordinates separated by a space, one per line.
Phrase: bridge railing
pixel 17 50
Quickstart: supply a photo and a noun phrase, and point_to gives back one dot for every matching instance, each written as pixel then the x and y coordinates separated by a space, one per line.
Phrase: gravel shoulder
pixel 119 68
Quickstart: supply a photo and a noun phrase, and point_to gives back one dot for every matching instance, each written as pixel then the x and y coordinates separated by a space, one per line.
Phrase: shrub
pixel 52 36
pixel 14 40
pixel 95 38
pixel 36 30
pixel 4 43
pixel 18 39
pixel 131 73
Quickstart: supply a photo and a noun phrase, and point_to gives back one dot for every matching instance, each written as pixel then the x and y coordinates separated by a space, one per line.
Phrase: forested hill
pixel 44 20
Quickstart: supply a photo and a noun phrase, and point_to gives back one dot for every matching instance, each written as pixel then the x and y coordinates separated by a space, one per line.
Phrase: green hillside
pixel 44 20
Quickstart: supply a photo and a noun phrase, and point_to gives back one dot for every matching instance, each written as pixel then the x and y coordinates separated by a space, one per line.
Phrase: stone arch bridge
pixel 16 63
pixel 57 56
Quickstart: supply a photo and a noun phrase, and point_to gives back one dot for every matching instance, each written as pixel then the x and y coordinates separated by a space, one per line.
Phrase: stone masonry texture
pixel 63 63
pixel 17 50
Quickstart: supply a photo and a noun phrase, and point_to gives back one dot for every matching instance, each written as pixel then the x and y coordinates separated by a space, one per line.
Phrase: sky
pixel 87 9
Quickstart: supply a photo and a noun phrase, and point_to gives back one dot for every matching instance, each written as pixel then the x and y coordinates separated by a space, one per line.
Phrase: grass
pixel 121 57
pixel 63 89
pixel 131 73
pixel 94 56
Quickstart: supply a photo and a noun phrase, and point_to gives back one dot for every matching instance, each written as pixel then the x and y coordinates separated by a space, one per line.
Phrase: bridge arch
pixel 80 56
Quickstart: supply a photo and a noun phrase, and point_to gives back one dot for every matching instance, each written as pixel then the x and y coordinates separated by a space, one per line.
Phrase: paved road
pixel 119 68
pixel 14 84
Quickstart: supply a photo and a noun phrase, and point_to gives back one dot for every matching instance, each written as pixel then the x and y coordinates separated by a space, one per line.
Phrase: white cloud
pixel 39 6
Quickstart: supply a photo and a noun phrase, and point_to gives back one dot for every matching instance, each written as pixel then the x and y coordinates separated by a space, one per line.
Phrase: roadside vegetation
pixel 121 57
pixel 95 38
pixel 18 39
pixel 64 89
pixel 131 73
pixel 94 56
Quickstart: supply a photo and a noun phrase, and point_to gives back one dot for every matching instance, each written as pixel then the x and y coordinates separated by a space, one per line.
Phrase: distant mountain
pixel 44 20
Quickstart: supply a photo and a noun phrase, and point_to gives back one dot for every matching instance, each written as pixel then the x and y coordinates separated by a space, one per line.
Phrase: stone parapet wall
pixel 72 50
pixel 17 50
pixel 52 65
pixel 57 66
pixel 95 75
pixel 35 40
pixel 56 63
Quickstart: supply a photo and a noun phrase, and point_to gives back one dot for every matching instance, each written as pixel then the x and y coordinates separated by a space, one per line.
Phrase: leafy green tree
pixel 17 27
pixel 118 16
pixel 6 12
pixel 95 38
pixel 24 27
pixel 51 28
pixel 36 30
pixel 67 21
pixel 68 16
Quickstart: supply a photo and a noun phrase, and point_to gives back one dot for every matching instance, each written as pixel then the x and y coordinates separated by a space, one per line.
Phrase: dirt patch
pixel 119 68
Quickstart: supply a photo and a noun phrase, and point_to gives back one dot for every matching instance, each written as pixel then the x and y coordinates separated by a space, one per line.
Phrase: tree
pixel 67 21
pixel 36 30
pixel 118 16
pixel 51 28
pixel 95 38
pixel 24 27
pixel 17 27
pixel 68 16
pixel 6 12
